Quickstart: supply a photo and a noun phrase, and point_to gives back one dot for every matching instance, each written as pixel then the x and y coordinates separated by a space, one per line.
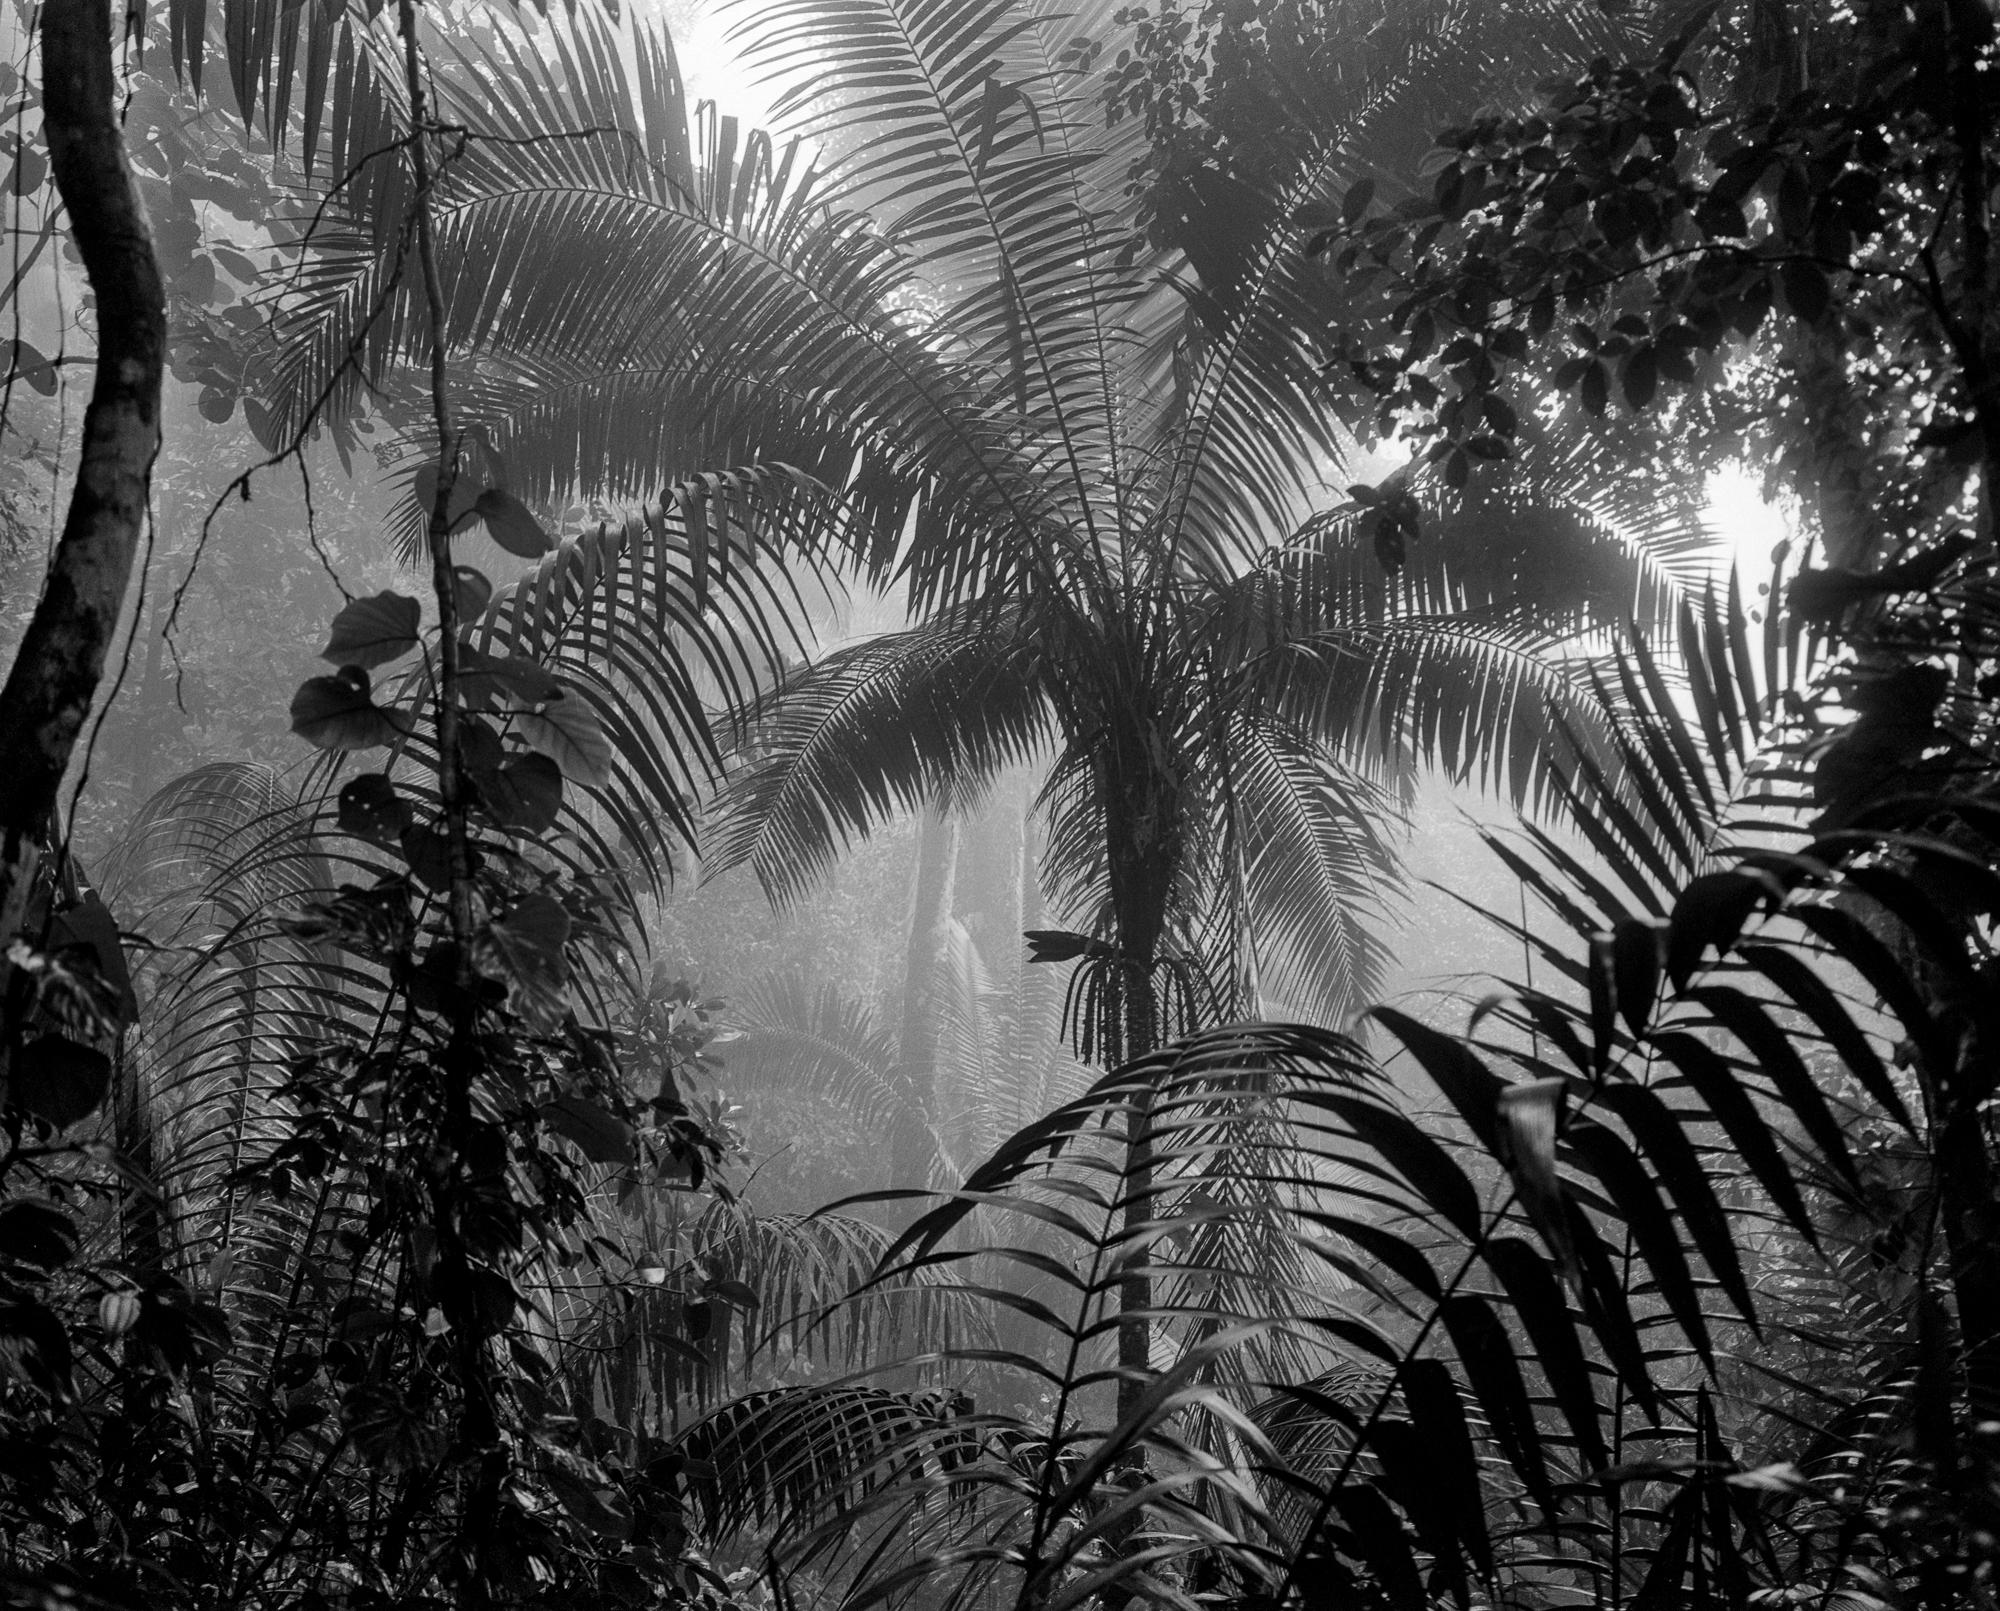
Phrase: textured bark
pixel 61 660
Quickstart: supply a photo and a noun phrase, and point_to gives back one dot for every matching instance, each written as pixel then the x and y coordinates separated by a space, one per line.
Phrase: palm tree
pixel 1099 490
pixel 951 356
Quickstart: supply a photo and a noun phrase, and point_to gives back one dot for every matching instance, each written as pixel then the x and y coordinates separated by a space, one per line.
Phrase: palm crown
pixel 950 355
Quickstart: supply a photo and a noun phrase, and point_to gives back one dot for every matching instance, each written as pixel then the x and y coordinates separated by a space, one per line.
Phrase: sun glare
pixel 1750 526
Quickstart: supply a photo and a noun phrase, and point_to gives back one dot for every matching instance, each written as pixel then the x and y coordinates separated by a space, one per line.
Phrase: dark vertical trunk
pixel 913 1141
pixel 60 662
pixel 1964 1149
pixel 1143 842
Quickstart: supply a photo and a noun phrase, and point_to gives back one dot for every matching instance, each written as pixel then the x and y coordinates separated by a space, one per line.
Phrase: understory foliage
pixel 366 1234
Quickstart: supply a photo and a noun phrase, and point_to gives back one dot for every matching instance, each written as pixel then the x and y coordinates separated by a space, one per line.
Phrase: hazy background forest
pixel 970 803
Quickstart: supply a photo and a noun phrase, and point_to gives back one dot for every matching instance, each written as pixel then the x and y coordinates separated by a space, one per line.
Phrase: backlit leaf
pixel 568 732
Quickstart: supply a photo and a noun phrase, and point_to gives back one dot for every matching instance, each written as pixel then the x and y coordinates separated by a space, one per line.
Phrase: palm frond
pixel 797 1036
pixel 951 124
pixel 1317 869
pixel 928 715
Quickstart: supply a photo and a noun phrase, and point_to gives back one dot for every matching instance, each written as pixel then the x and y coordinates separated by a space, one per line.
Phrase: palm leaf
pixel 924 716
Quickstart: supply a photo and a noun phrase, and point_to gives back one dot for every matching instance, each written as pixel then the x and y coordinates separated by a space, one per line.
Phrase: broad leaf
pixel 371 632
pixel 524 950
pixel 598 1506
pixel 568 732
pixel 37 1233
pixel 511 524
pixel 34 1348
pixel 24 362
pixel 89 924
pixel 600 1135
pixel 58 1080
pixel 464 496
pixel 472 592
pixel 485 679
pixel 336 713
pixel 371 809
pixel 526 793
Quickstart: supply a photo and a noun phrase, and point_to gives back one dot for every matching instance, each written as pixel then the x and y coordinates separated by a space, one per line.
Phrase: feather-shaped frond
pixel 1000 1055
pixel 817 1301
pixel 727 1300
pixel 303 71
pixel 1472 697
pixel 1317 868
pixel 928 715
pixel 789 1458
pixel 568 237
pixel 1561 539
pixel 797 1036
pixel 1136 1499
pixel 652 623
pixel 952 124
pixel 230 1002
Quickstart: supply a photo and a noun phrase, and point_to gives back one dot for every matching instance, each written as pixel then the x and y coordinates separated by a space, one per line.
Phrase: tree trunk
pixel 1963 1148
pixel 60 662
pixel 1143 845
pixel 913 1141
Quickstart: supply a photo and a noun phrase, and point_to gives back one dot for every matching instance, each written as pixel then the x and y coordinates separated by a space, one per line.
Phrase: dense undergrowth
pixel 371 1232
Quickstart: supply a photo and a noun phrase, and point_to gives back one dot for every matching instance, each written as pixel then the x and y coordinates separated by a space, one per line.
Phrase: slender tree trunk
pixel 913 1142
pixel 60 662
pixel 1143 845
pixel 1963 1145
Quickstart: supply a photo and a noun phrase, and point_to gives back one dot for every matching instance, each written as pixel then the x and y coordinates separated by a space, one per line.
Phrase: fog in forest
pixel 970 804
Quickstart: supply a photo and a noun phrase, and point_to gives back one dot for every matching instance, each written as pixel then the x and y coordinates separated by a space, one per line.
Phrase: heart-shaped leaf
pixel 373 631
pixel 27 363
pixel 479 748
pixel 568 732
pixel 428 853
pixel 512 524
pixel 484 679
pixel 600 1135
pixel 371 809
pixel 524 950
pixel 34 1348
pixel 58 1080
pixel 601 1508
pixel 37 1233
pixel 90 923
pixel 336 713
pixel 472 592
pixel 463 496
pixel 526 793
